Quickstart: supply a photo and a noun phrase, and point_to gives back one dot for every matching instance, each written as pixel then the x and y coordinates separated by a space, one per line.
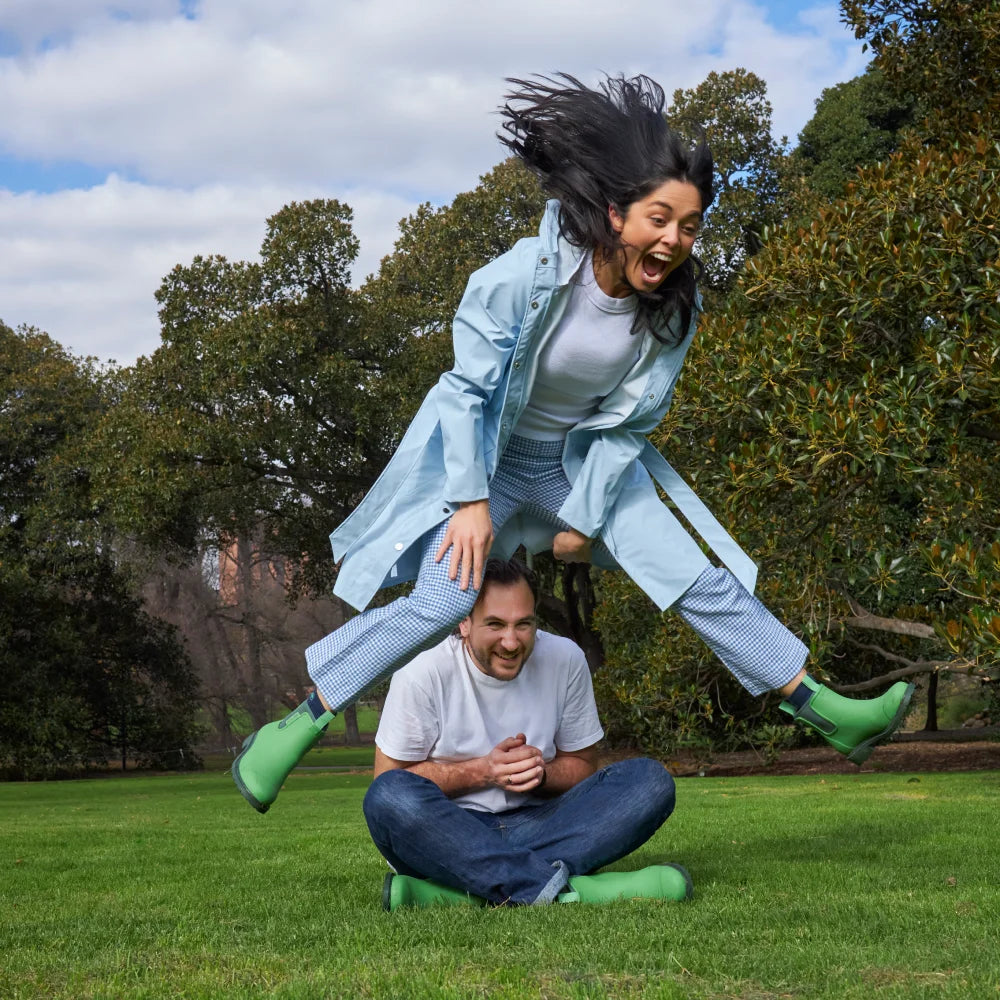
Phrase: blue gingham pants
pixel 754 646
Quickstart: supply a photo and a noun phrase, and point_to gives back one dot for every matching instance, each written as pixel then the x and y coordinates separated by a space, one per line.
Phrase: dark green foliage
pixel 855 124
pixel 843 413
pixel 87 675
pixel 732 112
pixel 841 408
pixel 943 52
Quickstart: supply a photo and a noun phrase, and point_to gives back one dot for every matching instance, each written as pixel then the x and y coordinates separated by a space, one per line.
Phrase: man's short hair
pixel 507 572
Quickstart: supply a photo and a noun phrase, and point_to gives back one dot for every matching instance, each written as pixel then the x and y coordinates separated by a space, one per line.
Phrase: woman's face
pixel 657 233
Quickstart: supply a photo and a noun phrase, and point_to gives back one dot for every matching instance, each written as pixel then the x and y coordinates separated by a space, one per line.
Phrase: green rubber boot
pixel 656 882
pixel 269 755
pixel 404 890
pixel 854 727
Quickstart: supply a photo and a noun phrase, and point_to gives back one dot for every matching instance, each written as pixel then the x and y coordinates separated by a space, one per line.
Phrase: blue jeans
pixel 523 855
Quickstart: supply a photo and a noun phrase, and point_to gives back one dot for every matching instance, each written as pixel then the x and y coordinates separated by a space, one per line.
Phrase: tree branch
pixel 982 431
pixel 865 619
pixel 910 668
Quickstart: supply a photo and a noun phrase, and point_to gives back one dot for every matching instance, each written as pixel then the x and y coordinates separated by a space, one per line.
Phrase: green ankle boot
pixel 854 727
pixel 656 882
pixel 404 890
pixel 269 755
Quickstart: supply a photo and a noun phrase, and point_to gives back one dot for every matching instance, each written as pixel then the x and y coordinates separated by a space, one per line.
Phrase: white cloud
pixel 221 110
pixel 83 265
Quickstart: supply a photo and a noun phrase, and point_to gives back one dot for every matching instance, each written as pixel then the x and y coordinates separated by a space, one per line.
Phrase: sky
pixel 137 134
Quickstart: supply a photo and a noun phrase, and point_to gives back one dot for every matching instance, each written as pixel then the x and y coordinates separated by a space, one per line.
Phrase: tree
pixel 845 417
pixel 278 393
pixel 87 673
pixel 857 123
pixel 945 51
pixel 733 113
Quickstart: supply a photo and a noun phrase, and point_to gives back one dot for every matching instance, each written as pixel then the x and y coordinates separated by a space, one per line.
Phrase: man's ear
pixel 465 627
pixel 617 222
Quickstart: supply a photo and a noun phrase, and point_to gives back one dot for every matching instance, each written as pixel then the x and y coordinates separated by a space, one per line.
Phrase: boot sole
pixel 688 883
pixel 241 785
pixel 387 892
pixel 863 750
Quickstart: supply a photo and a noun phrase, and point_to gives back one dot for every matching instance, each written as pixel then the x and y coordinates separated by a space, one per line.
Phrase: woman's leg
pixel 355 658
pixel 763 655
pixel 760 652
pixel 755 647
pixel 377 642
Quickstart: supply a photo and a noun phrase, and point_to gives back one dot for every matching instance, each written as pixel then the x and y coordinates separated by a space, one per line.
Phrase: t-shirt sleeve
pixel 579 725
pixel 410 724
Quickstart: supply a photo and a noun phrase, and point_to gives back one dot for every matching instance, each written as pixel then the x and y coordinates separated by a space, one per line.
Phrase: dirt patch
pixel 905 755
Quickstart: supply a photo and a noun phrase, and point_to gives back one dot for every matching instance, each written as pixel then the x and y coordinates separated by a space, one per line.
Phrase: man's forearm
pixel 564 771
pixel 454 778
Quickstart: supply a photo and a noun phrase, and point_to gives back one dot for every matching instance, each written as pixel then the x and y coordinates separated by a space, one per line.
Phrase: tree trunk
pixel 931 726
pixel 257 698
pixel 352 737
pixel 581 603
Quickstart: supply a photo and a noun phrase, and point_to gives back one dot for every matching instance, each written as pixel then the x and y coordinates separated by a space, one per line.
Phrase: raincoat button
pixel 534 305
pixel 517 364
pixel 545 260
pixel 398 546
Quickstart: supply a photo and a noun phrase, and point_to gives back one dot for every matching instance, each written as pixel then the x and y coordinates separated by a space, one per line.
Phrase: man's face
pixel 500 632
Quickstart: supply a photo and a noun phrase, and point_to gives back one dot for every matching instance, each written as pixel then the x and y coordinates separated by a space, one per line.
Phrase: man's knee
pixel 652 785
pixel 397 793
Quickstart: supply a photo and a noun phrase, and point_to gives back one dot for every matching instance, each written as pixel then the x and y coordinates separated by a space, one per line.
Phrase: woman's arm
pixel 485 332
pixel 484 335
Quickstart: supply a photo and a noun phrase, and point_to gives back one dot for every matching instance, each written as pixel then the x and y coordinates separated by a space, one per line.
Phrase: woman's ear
pixel 617 222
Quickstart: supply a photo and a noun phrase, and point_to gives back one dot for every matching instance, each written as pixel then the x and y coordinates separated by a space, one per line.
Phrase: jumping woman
pixel 567 350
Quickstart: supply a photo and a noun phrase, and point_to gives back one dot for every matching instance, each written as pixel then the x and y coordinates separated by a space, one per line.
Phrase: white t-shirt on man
pixel 441 707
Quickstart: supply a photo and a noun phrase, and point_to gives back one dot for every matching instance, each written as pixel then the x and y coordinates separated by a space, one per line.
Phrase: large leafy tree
pixel 266 407
pixel 845 416
pixel 857 123
pixel 87 673
pixel 279 392
pixel 944 52
pixel 732 112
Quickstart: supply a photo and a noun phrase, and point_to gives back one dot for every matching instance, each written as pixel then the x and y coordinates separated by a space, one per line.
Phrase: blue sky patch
pixel 31 175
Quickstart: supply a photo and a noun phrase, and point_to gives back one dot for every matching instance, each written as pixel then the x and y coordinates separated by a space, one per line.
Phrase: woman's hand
pixel 571 546
pixel 469 535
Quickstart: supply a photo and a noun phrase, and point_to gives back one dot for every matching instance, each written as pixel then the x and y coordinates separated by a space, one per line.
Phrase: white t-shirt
pixel 585 358
pixel 441 707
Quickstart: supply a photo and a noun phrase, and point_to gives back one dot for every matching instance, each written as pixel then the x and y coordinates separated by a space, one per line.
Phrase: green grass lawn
pixel 874 885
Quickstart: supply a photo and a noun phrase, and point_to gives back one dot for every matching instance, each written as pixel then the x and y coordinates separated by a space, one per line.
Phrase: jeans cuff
pixel 554 886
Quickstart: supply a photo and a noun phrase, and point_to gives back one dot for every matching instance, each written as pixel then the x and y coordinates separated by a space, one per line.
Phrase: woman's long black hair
pixel 594 148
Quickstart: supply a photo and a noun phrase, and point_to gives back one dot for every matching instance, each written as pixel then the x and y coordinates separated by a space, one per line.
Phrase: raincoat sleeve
pixel 485 331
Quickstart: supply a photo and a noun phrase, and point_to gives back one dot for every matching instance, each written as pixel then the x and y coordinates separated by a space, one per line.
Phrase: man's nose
pixel 508 639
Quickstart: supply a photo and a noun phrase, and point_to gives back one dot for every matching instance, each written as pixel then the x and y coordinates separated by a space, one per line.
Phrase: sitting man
pixel 486 783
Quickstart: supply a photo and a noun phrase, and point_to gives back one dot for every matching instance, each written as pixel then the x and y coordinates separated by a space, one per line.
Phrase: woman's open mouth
pixel 654 265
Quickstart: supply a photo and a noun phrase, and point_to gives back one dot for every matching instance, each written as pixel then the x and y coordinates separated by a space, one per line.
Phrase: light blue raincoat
pixel 451 449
